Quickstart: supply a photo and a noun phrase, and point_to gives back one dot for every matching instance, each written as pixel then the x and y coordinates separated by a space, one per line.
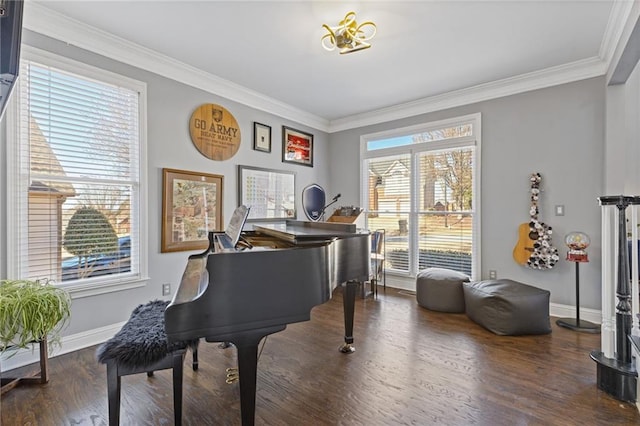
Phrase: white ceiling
pixel 423 49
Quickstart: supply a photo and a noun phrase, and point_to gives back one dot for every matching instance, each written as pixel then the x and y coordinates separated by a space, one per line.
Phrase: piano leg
pixel 246 344
pixel 349 303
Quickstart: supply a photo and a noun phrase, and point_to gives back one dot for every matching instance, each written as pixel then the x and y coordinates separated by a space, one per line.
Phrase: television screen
pixel 10 35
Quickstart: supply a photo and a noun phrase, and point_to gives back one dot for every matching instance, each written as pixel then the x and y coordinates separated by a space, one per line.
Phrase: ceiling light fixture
pixel 348 35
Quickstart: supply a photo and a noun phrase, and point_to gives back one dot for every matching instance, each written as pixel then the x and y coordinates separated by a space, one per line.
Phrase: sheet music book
pixel 231 236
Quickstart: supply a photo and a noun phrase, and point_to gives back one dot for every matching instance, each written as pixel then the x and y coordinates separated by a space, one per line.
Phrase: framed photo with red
pixel 297 147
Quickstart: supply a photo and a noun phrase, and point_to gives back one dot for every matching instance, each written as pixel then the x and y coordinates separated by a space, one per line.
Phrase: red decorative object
pixel 577 257
pixel 577 243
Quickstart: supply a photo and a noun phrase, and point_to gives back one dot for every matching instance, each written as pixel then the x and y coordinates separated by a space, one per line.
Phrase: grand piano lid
pixel 299 231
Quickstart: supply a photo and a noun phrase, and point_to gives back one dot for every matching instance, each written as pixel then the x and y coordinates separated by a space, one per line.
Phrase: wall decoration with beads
pixel 535 249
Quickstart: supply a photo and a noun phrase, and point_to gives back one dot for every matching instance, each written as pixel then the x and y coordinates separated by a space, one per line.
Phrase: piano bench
pixel 141 346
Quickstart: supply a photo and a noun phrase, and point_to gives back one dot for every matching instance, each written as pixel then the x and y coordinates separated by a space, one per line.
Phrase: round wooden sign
pixel 215 132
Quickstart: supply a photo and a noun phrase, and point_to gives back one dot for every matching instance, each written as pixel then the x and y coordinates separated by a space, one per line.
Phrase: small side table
pixel 37 377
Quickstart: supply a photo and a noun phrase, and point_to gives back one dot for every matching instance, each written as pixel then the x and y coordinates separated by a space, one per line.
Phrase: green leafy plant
pixel 30 311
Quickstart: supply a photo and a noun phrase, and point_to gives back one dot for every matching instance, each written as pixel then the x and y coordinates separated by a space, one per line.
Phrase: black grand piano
pixel 250 284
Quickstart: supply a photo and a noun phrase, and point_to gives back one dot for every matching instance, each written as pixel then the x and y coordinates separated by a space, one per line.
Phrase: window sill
pixel 97 287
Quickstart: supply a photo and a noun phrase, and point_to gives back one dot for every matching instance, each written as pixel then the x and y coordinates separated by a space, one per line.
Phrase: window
pixel 77 178
pixel 420 184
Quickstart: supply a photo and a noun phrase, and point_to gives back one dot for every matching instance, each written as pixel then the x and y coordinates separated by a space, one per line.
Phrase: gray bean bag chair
pixel 507 307
pixel 440 289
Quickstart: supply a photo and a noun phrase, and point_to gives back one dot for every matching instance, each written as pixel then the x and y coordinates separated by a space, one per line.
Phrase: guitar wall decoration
pixel 534 249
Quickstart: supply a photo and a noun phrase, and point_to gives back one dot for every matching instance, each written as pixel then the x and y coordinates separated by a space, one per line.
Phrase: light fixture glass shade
pixel 348 35
pixel 577 243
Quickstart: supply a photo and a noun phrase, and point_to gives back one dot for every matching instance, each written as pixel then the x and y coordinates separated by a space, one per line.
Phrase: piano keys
pixel 274 277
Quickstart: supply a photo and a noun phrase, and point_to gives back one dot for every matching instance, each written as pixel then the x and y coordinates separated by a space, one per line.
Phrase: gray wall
pixel 170 105
pixel 559 132
pixel 622 151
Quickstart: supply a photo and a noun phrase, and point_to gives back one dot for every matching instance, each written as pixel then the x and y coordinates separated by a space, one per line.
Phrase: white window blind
pixel 420 186
pixel 79 175
pixel 445 209
pixel 390 205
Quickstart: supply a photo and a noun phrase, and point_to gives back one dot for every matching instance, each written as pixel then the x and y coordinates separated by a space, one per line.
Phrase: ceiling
pixel 422 50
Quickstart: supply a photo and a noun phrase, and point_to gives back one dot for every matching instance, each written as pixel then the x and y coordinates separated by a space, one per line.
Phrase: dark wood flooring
pixel 411 367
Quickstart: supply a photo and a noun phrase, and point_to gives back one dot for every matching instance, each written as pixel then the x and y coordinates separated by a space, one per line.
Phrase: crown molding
pixel 548 77
pixel 45 21
pixel 615 48
pixel 42 20
pixel 618 18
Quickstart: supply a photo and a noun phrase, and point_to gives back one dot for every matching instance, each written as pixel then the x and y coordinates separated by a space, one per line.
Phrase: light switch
pixel 560 210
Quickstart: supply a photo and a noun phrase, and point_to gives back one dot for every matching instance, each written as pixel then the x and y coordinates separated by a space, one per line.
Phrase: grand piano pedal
pixel 232 375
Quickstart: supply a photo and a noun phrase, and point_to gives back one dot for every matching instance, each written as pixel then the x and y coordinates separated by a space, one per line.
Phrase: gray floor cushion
pixel 440 289
pixel 508 307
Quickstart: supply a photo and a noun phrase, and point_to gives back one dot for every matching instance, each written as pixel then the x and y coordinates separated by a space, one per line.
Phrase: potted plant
pixel 31 311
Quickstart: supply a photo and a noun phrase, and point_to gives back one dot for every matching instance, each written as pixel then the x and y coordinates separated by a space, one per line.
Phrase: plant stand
pixel 36 378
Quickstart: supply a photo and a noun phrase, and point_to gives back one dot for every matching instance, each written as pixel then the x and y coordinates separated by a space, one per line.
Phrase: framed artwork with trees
pixel 191 208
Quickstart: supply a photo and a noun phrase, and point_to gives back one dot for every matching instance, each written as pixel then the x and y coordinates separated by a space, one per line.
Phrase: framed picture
pixel 261 137
pixel 191 207
pixel 297 147
pixel 271 194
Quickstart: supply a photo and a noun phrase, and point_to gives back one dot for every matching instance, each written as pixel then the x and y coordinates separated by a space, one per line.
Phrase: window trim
pixel 15 227
pixel 474 140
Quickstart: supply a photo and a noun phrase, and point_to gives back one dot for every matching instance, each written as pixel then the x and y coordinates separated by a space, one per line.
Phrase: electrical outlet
pixel 560 210
pixel 493 274
pixel 166 289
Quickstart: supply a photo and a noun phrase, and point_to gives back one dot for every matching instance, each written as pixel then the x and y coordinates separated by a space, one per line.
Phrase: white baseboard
pixel 555 309
pixel 568 311
pixel 70 343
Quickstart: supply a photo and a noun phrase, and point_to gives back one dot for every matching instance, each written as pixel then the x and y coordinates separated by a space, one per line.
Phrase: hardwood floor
pixel 411 367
